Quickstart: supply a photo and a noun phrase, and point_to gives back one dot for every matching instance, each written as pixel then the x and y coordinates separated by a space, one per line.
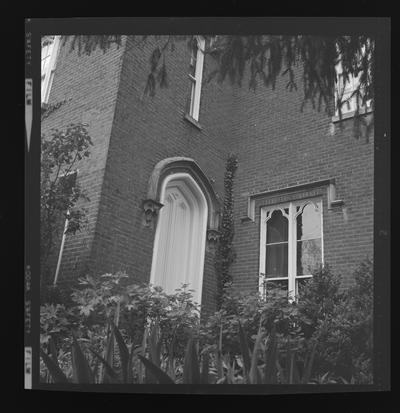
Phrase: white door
pixel 178 256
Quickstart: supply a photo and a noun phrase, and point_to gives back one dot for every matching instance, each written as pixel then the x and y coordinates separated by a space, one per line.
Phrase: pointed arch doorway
pixel 180 239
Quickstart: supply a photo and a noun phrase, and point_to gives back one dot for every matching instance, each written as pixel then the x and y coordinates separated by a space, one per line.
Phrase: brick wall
pixel 88 84
pixel 145 131
pixel 277 146
pixel 280 146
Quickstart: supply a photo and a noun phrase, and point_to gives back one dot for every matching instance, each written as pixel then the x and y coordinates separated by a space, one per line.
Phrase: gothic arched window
pixel 291 244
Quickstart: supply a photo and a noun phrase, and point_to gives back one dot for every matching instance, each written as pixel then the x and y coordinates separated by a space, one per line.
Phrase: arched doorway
pixel 179 245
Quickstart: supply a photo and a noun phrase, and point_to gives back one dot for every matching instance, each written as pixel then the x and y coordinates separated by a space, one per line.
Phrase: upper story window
pixel 196 75
pixel 348 95
pixel 291 244
pixel 50 46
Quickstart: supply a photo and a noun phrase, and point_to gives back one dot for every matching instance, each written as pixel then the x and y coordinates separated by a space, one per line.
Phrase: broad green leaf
pixel 294 377
pixel 254 374
pixel 205 368
pixel 55 371
pixel 155 344
pixel 171 365
pixel 109 350
pixel 130 365
pixel 230 367
pixel 191 371
pixel 218 356
pixel 53 350
pixel 123 351
pixel 308 366
pixel 218 361
pixel 270 358
pixel 142 376
pixel 81 371
pixel 108 369
pixel 245 351
pixel 160 375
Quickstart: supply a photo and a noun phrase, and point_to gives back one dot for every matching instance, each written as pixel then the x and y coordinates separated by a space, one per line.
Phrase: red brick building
pixel 303 190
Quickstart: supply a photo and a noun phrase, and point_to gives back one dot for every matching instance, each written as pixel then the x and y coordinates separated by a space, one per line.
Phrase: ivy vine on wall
pixel 225 254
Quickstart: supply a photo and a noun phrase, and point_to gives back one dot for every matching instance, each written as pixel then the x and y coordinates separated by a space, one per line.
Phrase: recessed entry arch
pixel 180 238
pixel 177 164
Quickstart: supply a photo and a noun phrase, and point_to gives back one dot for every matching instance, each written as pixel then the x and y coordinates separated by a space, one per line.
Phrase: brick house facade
pixel 285 155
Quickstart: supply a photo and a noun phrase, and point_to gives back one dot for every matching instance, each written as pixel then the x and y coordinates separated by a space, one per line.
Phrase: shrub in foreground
pixel 324 336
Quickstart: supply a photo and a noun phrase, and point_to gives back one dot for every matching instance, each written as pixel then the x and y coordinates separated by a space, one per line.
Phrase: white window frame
pixel 349 107
pixel 196 80
pixel 292 277
pixel 47 73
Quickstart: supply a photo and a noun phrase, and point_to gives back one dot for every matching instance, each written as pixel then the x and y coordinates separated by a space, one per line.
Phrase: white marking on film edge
pixel 28 109
pixel 28 367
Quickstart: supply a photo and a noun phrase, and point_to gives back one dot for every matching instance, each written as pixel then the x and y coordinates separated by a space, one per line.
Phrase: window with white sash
pixel 196 75
pixel 291 244
pixel 50 46
pixel 345 92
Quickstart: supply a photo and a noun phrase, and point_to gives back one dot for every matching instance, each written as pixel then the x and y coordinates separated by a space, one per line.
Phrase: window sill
pixel 348 115
pixel 192 121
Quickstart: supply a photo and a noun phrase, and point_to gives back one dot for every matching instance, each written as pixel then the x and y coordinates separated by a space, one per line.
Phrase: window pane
pixel 302 283
pixel 192 95
pixel 193 59
pixel 309 223
pixel 194 49
pixel 276 287
pixel 277 228
pixel 276 260
pixel 46 54
pixel 192 69
pixel 308 256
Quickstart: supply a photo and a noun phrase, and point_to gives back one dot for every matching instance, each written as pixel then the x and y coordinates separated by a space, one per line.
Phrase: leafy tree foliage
pixel 61 150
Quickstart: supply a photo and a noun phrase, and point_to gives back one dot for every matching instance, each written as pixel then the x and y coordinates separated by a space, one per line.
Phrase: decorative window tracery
pixel 291 244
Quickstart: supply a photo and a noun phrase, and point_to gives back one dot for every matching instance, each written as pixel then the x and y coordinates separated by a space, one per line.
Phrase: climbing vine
pixel 225 254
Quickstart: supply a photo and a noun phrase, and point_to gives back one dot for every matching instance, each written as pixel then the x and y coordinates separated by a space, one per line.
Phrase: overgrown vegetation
pixel 126 333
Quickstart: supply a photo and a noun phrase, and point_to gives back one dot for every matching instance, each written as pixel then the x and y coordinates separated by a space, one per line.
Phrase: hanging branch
pixel 266 56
